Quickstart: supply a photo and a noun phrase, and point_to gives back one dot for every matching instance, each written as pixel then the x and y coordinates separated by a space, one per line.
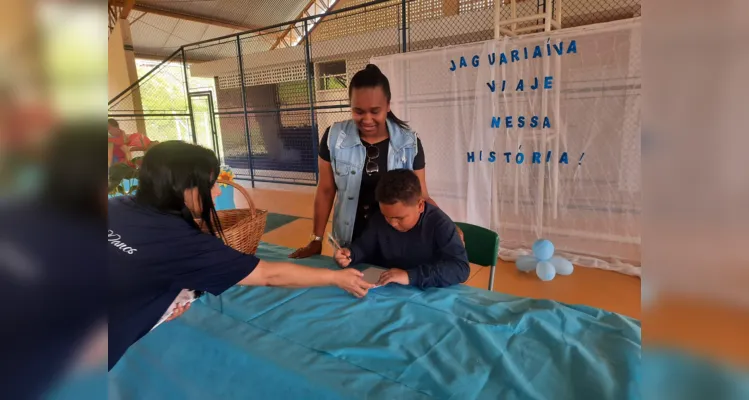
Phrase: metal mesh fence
pixel 161 90
pixel 342 45
pixel 277 103
pixel 363 19
pixel 157 104
pixel 219 123
pixel 263 99
pixel 158 128
pixel 449 22
pixel 586 12
pixel 282 148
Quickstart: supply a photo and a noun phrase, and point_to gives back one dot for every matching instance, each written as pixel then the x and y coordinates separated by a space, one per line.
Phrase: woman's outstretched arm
pixel 286 274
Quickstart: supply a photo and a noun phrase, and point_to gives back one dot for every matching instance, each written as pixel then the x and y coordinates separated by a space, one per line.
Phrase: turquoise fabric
pixel 396 343
pixel 669 373
pixel 348 156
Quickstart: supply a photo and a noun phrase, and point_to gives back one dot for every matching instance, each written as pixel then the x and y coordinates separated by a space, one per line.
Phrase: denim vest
pixel 348 156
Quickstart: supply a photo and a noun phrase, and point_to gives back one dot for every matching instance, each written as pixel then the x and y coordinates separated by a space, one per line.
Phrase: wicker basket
pixel 242 227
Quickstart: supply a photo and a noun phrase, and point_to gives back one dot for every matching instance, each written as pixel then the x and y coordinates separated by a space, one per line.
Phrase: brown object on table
pixel 242 227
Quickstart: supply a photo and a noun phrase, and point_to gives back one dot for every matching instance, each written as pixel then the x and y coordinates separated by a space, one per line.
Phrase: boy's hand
pixel 394 275
pixel 351 281
pixel 343 257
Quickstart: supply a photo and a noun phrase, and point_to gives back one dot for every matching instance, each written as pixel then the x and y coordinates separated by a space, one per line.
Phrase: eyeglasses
pixel 372 153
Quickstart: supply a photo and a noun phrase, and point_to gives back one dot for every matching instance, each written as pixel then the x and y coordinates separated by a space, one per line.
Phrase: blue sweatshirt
pixel 431 252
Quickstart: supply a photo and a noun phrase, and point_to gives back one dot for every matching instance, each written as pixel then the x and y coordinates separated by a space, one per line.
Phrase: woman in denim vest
pixel 352 156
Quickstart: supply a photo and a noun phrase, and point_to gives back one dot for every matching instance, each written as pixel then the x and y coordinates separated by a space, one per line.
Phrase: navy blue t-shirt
pixel 51 280
pixel 153 256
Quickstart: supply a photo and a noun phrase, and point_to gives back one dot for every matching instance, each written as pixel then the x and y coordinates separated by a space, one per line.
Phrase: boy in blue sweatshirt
pixel 414 239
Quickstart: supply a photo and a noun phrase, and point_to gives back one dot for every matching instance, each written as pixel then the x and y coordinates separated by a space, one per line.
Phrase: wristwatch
pixel 315 238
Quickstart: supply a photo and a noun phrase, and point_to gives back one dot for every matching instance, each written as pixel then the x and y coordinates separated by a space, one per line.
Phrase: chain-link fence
pixel 262 99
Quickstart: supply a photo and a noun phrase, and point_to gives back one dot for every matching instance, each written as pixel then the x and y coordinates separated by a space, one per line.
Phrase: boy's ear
pixel 421 205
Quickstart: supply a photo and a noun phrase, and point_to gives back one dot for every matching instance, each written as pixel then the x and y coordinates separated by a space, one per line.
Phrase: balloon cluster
pixel 543 260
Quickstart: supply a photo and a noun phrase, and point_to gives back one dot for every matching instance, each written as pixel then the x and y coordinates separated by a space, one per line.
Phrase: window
pixel 331 75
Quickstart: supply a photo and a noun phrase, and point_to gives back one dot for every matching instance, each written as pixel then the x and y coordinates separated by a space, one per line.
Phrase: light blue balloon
pixel 543 249
pixel 545 271
pixel 562 265
pixel 526 263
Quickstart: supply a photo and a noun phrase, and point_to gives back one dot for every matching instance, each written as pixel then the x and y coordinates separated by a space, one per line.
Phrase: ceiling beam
pixel 318 5
pixel 193 18
pixel 114 16
pixel 126 8
pixel 138 18
pixel 156 57
pixel 180 15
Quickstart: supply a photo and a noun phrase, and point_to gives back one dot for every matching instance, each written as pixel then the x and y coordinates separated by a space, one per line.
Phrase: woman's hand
pixel 343 257
pixel 312 249
pixel 394 275
pixel 178 311
pixel 350 280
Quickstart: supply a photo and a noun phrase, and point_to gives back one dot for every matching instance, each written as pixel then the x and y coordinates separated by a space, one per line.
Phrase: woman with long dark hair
pixel 156 249
pixel 354 153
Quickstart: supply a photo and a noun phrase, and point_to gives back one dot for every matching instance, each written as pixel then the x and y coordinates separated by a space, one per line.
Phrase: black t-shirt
pixel 367 202
pixel 152 257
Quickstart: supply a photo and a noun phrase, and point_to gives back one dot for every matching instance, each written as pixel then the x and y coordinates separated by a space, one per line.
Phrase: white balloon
pixel 562 265
pixel 526 263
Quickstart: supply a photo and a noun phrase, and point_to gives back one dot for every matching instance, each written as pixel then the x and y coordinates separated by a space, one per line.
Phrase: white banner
pixel 534 137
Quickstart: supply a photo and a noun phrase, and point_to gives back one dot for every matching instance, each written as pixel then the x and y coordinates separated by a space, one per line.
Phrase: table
pixel 397 343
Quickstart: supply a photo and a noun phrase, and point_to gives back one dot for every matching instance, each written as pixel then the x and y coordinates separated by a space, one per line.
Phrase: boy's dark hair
pixel 398 185
pixel 113 122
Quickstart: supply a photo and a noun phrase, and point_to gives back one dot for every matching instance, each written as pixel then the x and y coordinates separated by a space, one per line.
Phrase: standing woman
pixel 354 153
pixel 156 249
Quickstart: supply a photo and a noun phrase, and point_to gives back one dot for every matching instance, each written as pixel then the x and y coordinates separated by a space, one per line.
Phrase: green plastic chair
pixel 482 246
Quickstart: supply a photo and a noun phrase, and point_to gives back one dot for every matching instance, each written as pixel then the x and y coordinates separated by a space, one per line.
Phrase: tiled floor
pixel 603 289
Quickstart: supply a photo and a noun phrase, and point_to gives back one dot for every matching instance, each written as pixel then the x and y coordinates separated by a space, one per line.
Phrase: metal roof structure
pixel 159 27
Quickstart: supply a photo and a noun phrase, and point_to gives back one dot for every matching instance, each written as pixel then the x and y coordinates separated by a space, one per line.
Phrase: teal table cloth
pixel 396 343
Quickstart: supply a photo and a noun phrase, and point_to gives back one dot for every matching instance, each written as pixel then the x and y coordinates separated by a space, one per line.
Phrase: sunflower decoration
pixel 226 174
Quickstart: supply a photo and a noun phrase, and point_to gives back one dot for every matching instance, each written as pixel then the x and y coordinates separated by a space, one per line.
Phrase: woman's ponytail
pixel 398 121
